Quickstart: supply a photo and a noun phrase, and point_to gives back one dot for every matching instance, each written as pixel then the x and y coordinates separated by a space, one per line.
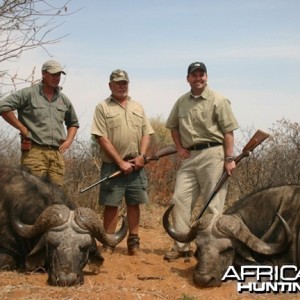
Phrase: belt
pixel 45 146
pixel 204 146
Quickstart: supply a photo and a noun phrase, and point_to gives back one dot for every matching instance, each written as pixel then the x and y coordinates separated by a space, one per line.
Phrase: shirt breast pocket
pixel 37 111
pixel 137 119
pixel 183 112
pixel 113 120
pixel 61 112
pixel 204 117
pixel 183 118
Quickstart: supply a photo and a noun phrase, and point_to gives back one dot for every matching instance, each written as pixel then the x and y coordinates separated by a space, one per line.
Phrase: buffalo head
pixel 66 242
pixel 219 239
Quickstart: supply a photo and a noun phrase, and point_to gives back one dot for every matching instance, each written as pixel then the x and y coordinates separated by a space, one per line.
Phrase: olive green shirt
pixel 203 119
pixel 124 127
pixel 44 119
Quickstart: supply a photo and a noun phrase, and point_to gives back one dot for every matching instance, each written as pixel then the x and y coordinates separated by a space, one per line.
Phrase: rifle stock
pixel 171 149
pixel 161 153
pixel 255 141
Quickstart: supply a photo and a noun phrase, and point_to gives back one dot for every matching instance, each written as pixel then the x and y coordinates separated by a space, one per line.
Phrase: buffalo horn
pixel 235 228
pixel 88 219
pixel 177 236
pixel 52 216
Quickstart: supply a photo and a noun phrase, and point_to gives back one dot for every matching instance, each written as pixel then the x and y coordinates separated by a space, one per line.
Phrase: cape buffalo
pixel 262 228
pixel 40 227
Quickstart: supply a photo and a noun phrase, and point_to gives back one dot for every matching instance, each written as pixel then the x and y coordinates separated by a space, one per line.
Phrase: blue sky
pixel 251 50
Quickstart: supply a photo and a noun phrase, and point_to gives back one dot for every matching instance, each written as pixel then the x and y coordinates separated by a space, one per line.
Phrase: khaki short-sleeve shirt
pixel 203 119
pixel 124 127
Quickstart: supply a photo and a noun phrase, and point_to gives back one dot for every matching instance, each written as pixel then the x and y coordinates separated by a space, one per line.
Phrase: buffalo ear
pixel 95 259
pixel 36 258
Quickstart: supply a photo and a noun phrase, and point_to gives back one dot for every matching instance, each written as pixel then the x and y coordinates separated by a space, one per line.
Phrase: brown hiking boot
pixel 175 254
pixel 133 244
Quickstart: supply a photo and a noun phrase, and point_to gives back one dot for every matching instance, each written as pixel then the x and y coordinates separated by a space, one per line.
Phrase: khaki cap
pixel 52 67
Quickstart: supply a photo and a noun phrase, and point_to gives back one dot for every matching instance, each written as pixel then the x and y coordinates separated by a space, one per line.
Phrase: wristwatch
pixel 229 159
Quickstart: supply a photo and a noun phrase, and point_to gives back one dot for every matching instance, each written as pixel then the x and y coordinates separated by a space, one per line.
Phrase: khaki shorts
pixel 45 162
pixel 133 187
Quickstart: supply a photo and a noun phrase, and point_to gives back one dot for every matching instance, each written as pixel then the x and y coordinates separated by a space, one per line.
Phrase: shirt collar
pixel 111 98
pixel 57 90
pixel 203 95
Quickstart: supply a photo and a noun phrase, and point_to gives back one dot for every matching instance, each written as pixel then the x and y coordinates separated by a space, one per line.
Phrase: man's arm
pixel 229 163
pixel 125 166
pixel 183 152
pixel 145 144
pixel 71 132
pixel 10 117
pixel 139 161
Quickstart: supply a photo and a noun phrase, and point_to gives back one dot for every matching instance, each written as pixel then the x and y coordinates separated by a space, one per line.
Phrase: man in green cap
pixel 123 133
pixel 42 109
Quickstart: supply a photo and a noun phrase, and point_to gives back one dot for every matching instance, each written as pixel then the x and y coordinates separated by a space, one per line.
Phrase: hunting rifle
pixel 256 140
pixel 160 153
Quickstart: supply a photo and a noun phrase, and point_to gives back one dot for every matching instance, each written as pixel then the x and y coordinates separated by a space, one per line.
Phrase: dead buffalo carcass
pixel 262 228
pixel 40 227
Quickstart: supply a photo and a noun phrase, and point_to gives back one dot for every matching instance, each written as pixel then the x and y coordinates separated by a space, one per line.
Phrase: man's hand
pixel 183 152
pixel 138 161
pixel 126 167
pixel 65 146
pixel 229 167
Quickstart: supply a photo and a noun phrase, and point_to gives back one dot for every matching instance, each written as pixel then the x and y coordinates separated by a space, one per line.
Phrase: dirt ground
pixel 145 277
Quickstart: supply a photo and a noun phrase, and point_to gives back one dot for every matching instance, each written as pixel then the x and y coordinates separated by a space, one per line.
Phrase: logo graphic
pixel 265 279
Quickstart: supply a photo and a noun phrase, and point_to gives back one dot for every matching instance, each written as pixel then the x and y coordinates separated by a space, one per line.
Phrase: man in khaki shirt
pixel 201 124
pixel 123 133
